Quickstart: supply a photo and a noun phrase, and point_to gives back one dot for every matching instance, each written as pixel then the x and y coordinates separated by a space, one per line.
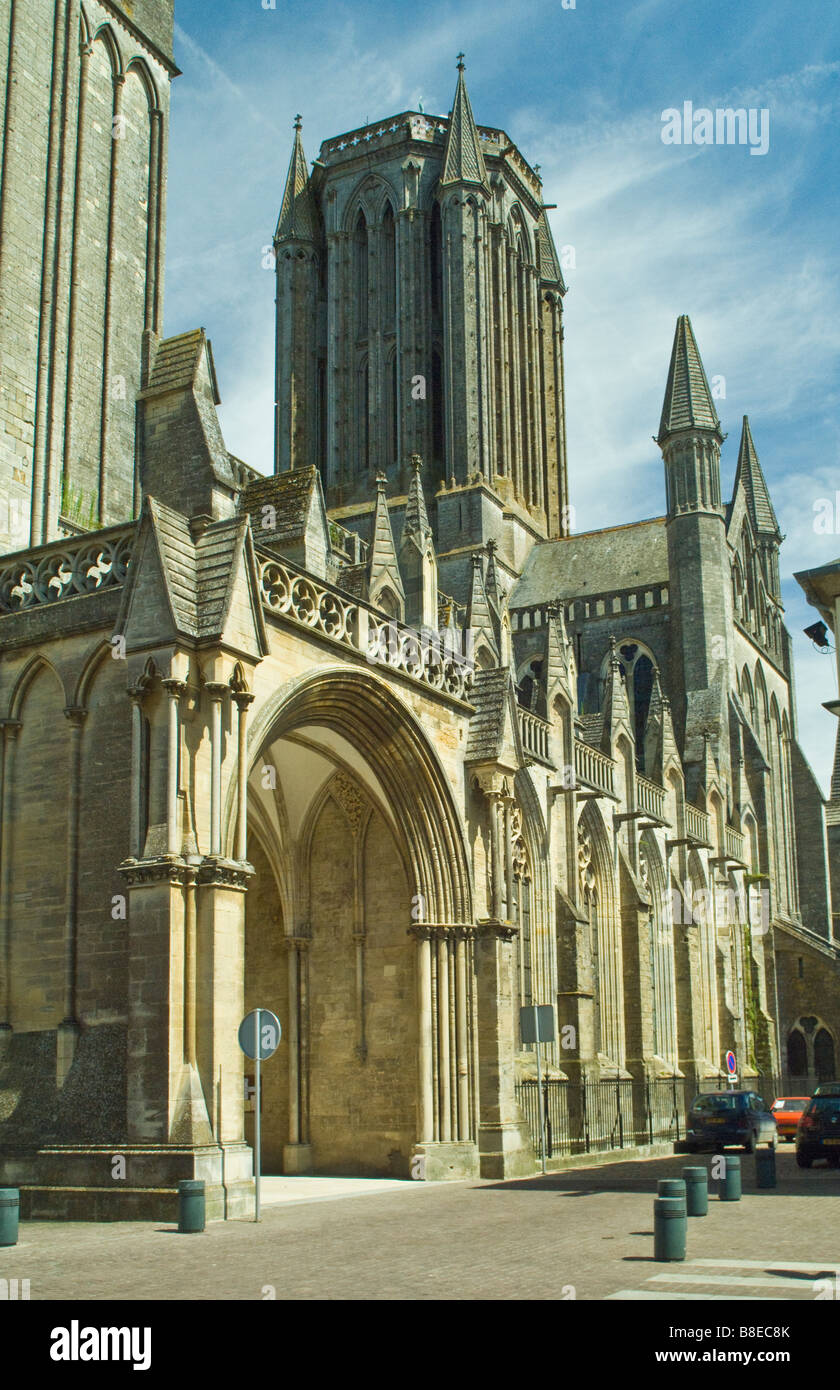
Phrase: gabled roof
pixel 494 728
pixel 463 161
pixel 594 562
pixel 749 478
pixel 176 363
pixel 298 218
pixel 688 401
pixel 201 577
pixel 295 495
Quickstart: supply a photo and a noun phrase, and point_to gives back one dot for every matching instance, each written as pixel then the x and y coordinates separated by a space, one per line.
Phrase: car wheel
pixel 749 1147
pixel 772 1143
pixel 802 1161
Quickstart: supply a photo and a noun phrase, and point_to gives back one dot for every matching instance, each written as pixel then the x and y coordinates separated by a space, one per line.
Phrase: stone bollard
pixel 765 1167
pixel 9 1214
pixel 191 1206
pixel 696 1191
pixel 730 1188
pixel 669 1228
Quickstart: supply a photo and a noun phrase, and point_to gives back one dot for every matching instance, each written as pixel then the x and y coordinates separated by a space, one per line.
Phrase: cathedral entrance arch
pixel 357 853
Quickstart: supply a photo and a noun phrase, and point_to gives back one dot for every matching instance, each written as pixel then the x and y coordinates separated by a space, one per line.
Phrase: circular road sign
pixel 731 1064
pixel 269 1035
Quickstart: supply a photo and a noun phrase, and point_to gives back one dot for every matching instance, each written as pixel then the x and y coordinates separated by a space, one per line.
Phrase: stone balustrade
pixel 66 568
pixel 651 798
pixel 425 657
pixel 697 824
pixel 594 769
pixel 535 733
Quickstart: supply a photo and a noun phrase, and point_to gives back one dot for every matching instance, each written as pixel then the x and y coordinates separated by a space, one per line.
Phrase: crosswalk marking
pixel 637 1295
pixel 798 1266
pixel 733 1280
pixel 777 1274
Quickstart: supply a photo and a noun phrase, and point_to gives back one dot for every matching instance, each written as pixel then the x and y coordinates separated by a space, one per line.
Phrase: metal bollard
pixel 191 1206
pixel 671 1187
pixel 765 1167
pixel 669 1228
pixel 9 1214
pixel 730 1188
pixel 696 1191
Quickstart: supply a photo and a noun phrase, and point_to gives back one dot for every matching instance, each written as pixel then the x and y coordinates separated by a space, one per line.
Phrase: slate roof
pixel 298 218
pixel 749 476
pixel 595 562
pixel 489 697
pixel 198 573
pixel 688 401
pixel 176 360
pixel 463 160
pixel 547 259
pixel 290 494
pixel 591 729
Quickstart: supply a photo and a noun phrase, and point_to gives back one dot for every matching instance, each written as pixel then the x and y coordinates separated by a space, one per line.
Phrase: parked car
pixel 828 1088
pixel 727 1119
pixel 818 1132
pixel 787 1111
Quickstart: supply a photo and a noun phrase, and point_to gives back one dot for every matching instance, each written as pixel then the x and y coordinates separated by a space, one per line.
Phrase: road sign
pixel 536 1025
pixel 259 1038
pixel 264 1024
pixel 731 1064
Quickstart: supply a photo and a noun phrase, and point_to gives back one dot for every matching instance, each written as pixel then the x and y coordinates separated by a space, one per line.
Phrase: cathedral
pixel 377 742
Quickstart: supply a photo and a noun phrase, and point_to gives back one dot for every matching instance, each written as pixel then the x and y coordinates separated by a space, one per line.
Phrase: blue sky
pixel 747 245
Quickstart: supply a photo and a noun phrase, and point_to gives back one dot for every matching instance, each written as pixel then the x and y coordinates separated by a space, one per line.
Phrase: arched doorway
pixel 355 843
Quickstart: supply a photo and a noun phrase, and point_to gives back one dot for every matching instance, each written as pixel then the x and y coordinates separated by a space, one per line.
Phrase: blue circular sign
pixel 731 1064
pixel 269 1034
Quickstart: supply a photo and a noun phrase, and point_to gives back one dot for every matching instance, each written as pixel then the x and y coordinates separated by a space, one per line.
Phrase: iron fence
pixel 597 1116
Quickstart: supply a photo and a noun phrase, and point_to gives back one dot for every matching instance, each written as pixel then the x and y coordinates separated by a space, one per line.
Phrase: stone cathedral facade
pixel 377 741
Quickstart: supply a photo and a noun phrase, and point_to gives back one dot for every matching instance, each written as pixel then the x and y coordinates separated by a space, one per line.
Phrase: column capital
pixel 217 690
pixel 243 699
pixel 174 686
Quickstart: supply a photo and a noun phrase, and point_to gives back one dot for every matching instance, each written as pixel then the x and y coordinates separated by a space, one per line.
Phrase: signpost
pixel 536 1025
pixel 731 1066
pixel 259 1038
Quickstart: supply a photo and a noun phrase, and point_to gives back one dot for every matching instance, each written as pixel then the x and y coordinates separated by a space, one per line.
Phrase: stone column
pixel 216 691
pixel 243 700
pixel 11 728
pixel 297 1154
pixel 68 1029
pixel 445 1094
pixel 495 804
pixel 110 273
pixel 462 1035
pixel 504 1144
pixel 136 693
pixel 174 689
pixel 425 1125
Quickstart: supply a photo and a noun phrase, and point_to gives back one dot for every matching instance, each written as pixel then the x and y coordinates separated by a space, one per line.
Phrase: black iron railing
pixel 597 1116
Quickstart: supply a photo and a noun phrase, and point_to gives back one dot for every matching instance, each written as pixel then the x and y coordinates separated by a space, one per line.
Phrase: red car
pixel 787 1112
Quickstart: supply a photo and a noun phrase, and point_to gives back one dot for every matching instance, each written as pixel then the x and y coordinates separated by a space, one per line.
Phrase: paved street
pixel 585 1233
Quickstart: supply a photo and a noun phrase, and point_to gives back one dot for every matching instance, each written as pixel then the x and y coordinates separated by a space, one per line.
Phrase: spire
pixel 688 401
pixel 416 523
pixel 463 161
pixel 660 745
pixel 749 476
pixel 383 569
pixel 491 580
pixel 616 707
pixel 556 670
pixel 479 620
pixel 297 218
pixel 547 258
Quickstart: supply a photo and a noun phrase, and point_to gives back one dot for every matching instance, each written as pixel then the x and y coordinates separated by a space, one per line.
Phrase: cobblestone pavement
pixel 584 1234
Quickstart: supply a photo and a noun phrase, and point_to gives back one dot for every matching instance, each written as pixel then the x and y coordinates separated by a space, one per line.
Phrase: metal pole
pixel 257 1136
pixel 539 1091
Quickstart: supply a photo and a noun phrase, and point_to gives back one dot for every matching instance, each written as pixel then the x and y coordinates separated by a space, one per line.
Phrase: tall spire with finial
pixel 463 161
pixel 297 220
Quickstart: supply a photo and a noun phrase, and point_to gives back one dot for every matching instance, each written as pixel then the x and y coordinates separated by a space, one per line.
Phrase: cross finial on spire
pixel 298 121
pixel 460 62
